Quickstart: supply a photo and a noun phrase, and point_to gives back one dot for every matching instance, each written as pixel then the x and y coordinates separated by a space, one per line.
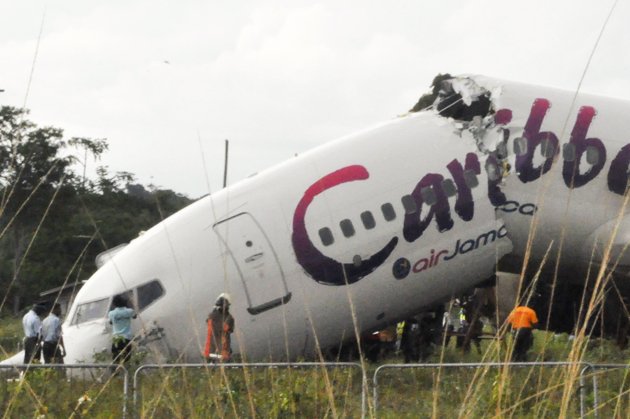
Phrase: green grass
pixel 10 335
pixel 46 393
pixel 532 392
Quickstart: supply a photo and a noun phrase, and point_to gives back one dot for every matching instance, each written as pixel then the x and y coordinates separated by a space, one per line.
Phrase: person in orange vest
pixel 220 327
pixel 522 319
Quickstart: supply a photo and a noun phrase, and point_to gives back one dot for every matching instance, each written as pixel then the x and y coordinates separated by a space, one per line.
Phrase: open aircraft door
pixel 256 262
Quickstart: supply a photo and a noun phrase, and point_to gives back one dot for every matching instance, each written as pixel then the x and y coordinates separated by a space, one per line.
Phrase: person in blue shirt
pixel 120 319
pixel 32 324
pixel 52 347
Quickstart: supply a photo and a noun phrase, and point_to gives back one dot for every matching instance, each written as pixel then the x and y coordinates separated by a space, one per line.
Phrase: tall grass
pixel 513 392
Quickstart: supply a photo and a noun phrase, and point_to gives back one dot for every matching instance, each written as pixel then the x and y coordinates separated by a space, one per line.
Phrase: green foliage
pixel 280 392
pixel 48 393
pixel 54 222
pixel 250 392
pixel 10 336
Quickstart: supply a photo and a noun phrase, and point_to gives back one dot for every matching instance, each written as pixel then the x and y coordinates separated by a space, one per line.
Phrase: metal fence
pixel 584 367
pixel 29 389
pixel 37 390
pixel 593 370
pixel 137 391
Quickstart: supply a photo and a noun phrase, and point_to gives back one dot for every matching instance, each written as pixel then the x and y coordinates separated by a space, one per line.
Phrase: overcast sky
pixel 164 80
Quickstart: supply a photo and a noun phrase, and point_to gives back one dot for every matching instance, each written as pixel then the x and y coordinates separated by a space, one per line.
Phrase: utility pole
pixel 225 164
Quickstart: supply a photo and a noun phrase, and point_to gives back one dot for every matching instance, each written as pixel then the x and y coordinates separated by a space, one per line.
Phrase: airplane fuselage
pixel 371 228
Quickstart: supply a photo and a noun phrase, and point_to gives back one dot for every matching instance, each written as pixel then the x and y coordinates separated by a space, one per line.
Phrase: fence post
pixel 595 395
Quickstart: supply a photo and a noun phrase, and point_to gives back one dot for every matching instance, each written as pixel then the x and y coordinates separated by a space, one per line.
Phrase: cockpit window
pixel 138 298
pixel 90 311
pixel 148 293
pixel 129 297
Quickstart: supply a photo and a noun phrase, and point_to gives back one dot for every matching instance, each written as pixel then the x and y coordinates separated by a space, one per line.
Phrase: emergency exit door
pixel 256 262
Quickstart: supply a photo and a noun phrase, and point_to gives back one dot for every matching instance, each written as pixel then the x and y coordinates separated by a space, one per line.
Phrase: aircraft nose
pixel 87 343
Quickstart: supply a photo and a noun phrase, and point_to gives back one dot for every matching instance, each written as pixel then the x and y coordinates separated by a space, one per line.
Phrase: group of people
pixel 417 336
pixel 43 336
pixel 220 325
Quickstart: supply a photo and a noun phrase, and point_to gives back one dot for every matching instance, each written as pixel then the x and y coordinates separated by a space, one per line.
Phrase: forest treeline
pixel 53 220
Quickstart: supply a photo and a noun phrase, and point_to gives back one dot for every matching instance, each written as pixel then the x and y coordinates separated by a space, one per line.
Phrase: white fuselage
pixel 329 243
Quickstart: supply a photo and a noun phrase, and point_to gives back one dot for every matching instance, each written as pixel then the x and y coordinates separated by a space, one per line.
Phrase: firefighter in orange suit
pixel 522 319
pixel 220 327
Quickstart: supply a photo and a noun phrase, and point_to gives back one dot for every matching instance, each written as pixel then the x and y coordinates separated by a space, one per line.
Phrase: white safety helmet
pixel 223 298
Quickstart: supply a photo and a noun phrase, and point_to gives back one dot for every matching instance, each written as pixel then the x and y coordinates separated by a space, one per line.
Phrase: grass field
pixel 489 391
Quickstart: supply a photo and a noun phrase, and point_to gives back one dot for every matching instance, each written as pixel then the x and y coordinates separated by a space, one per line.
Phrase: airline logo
pixel 320 267
pixel 460 248
pixel 326 270
pixel 402 267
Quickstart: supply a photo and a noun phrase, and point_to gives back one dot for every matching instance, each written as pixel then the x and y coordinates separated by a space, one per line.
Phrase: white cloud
pixel 277 77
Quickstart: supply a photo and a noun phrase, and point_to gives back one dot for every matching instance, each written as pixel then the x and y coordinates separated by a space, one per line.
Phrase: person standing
pixel 32 324
pixel 120 319
pixel 53 347
pixel 220 326
pixel 522 319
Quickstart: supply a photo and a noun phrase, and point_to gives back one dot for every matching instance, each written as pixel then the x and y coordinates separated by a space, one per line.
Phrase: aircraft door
pixel 255 261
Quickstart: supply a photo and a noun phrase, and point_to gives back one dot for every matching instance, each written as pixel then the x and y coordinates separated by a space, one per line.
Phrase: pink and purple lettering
pixel 321 268
pixel 571 169
pixel 524 162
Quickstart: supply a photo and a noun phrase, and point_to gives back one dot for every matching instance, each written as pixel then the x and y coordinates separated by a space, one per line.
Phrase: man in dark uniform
pixel 51 336
pixel 32 325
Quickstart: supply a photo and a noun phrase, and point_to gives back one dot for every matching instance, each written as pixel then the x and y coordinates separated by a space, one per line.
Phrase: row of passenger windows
pixel 494 172
pixel 547 150
pixel 389 213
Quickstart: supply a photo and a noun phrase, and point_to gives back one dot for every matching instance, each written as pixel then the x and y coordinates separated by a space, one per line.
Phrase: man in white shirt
pixel 53 347
pixel 32 325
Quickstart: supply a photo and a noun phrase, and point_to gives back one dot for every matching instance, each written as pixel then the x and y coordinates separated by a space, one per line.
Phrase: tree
pixel 47 211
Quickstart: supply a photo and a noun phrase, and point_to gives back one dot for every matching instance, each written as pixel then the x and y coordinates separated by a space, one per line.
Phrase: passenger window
pixel 492 170
pixel 347 228
pixel 592 155
pixel 428 195
pixel 471 179
pixel 449 187
pixel 325 235
pixel 388 212
pixel 90 311
pixel 568 152
pixel 368 220
pixel 148 293
pixel 502 150
pixel 546 148
pixel 409 204
pixel 520 146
